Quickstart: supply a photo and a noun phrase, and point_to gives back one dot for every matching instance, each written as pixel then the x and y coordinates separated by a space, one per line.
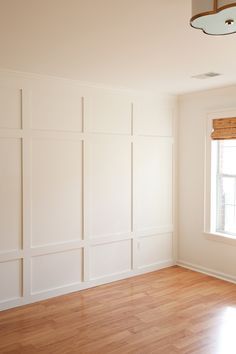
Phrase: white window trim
pixel 209 232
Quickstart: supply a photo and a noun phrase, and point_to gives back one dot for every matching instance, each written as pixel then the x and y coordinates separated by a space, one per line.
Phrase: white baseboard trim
pixel 112 278
pixel 207 271
pixel 47 294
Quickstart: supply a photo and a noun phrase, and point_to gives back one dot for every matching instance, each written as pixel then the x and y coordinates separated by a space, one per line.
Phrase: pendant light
pixel 214 17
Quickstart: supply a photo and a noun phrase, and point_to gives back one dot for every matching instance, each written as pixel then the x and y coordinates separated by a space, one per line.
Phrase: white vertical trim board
pixel 94 191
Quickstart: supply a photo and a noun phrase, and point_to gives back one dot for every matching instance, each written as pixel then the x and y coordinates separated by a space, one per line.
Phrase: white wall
pixel 195 248
pixel 86 186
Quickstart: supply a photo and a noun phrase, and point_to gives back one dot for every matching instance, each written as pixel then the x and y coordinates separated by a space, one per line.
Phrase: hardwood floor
pixel 170 311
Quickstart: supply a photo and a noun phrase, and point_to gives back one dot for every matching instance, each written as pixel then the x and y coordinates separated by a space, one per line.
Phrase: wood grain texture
pixel 169 311
pixel 224 128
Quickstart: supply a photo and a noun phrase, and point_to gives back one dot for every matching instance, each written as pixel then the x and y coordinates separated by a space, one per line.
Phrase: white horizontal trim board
pixel 73 245
pixel 56 248
pixel 11 255
pixel 207 271
pixel 87 186
pixel 154 231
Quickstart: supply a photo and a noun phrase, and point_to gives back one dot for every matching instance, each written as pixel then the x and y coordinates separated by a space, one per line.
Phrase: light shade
pixel 215 17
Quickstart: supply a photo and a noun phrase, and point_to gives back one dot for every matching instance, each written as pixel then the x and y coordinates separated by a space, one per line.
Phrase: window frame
pixel 220 176
pixel 210 183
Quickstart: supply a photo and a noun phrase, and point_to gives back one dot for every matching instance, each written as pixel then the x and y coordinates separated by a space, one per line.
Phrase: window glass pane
pixel 228 158
pixel 226 187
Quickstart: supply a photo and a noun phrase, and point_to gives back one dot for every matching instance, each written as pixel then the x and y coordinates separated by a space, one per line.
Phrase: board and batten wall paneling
pixel 56 108
pixel 154 249
pixel 10 194
pixel 104 260
pixel 10 280
pixel 51 271
pixel 152 185
pixel 108 186
pixel 108 113
pixel 56 191
pixel 86 186
pixel 153 117
pixel 10 108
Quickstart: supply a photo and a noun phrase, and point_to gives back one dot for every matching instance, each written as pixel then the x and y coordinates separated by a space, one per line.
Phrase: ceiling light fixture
pixel 215 17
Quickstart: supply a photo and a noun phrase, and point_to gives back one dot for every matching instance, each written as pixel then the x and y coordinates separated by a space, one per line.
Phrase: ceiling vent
pixel 206 76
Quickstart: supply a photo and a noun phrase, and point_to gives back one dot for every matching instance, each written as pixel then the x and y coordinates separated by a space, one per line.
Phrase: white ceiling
pixel 137 44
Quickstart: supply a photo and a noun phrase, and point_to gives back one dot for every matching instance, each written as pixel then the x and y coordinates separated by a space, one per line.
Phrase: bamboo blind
pixel 224 129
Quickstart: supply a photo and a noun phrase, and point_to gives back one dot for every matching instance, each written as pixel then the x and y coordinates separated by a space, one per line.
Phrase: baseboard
pixel 35 297
pixel 109 279
pixel 207 271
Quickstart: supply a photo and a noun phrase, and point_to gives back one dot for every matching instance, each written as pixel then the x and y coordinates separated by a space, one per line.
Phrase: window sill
pixel 230 240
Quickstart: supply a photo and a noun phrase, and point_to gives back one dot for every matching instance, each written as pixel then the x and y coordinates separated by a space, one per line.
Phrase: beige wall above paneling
pixel 85 186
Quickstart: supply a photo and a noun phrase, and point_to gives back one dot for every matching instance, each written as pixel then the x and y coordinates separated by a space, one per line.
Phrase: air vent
pixel 206 76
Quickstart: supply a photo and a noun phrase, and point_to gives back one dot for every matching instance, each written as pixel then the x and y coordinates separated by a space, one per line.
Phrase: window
pixel 225 183
pixel 220 211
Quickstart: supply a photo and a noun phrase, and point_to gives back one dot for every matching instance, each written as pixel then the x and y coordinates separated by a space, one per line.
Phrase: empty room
pixel 117 176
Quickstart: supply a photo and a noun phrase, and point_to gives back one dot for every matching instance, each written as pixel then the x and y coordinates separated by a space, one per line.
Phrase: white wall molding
pixel 79 172
pixel 154 231
pixel 11 255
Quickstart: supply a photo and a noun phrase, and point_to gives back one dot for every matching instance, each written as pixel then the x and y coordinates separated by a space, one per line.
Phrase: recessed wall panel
pixel 10 280
pixel 153 117
pixel 109 259
pixel 108 186
pixel 152 184
pixel 56 270
pixel 154 249
pixel 10 108
pixel 56 108
pixel 56 191
pixel 10 194
pixel 108 113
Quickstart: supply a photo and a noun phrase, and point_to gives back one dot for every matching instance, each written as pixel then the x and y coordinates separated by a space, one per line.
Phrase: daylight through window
pixel 225 186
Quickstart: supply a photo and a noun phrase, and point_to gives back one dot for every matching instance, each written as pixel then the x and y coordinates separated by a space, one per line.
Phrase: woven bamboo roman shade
pixel 224 129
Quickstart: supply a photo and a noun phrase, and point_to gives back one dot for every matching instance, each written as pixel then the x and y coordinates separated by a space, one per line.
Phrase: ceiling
pixel 137 44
